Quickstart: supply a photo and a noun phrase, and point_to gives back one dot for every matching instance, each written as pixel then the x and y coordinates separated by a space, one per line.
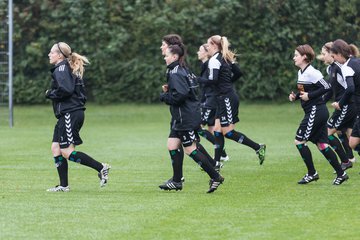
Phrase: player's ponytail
pixel 179 49
pixel 76 61
pixel 223 45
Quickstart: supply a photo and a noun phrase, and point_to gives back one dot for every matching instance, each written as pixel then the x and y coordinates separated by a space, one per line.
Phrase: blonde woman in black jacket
pixel 68 97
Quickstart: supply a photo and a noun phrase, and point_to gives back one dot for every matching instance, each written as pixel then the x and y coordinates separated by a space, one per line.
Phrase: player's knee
pixel 322 146
pixel 66 152
pixel 353 145
pixel 55 149
pixel 189 149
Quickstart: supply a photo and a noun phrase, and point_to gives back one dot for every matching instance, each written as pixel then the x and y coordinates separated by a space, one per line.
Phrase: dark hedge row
pixel 122 39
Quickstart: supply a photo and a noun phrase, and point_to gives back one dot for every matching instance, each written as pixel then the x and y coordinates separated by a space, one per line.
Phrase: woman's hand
pixel 292 97
pixel 165 88
pixel 304 96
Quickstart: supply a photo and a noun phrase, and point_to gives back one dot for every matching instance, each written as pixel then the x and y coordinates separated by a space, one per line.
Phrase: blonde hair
pixel 354 50
pixel 327 47
pixel 223 44
pixel 76 61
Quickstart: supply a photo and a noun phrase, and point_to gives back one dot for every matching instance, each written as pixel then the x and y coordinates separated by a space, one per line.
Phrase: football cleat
pixel 347 165
pixel 171 179
pixel 104 174
pixel 171 185
pixel 340 179
pixel 215 183
pixel 309 178
pixel 59 188
pixel 261 153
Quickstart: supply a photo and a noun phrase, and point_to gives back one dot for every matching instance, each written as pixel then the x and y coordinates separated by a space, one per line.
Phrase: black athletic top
pixel 67 90
pixel 184 104
pixel 311 81
pixel 351 73
pixel 337 82
pixel 208 98
pixel 219 74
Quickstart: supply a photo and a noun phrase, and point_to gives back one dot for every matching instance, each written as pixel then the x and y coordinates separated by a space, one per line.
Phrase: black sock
pixel 203 150
pixel 307 157
pixel 331 157
pixel 219 145
pixel 345 142
pixel 224 154
pixel 241 138
pixel 62 168
pixel 207 135
pixel 336 145
pixel 177 164
pixel 203 162
pixel 86 160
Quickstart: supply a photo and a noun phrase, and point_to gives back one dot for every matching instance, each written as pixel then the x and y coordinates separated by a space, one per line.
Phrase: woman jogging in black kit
pixel 177 155
pixel 68 97
pixel 185 118
pixel 350 69
pixel 341 120
pixel 208 102
pixel 311 87
pixel 220 75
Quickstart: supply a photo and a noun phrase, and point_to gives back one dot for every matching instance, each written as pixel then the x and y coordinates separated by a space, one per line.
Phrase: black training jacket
pixel 184 104
pixel 67 90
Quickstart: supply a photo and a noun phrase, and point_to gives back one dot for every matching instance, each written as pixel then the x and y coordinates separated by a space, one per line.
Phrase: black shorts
pixel 208 116
pixel 67 129
pixel 186 137
pixel 228 109
pixel 342 119
pixel 356 128
pixel 313 126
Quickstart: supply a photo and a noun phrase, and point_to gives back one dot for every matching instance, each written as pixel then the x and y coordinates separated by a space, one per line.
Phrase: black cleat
pixel 309 178
pixel 261 153
pixel 340 179
pixel 171 180
pixel 171 185
pixel 347 165
pixel 215 183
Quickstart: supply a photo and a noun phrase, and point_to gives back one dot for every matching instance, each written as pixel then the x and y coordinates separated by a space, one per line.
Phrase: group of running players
pixel 217 107
pixel 313 91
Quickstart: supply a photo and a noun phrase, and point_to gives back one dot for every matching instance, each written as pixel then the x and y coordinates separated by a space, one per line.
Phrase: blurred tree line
pixel 122 38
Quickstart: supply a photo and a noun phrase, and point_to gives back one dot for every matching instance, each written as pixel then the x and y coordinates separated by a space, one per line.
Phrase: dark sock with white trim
pixel 241 138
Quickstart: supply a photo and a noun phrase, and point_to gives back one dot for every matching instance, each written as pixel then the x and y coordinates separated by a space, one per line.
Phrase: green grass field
pixel 255 202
